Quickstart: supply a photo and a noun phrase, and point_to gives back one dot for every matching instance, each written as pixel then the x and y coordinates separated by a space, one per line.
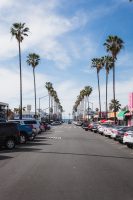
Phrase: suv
pixel 9 134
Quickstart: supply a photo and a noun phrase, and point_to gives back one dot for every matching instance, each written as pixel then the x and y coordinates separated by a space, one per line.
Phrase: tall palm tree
pixel 48 86
pixel 98 64
pixel 19 31
pixel 52 93
pixel 108 62
pixel 114 44
pixel 117 105
pixel 33 60
pixel 88 91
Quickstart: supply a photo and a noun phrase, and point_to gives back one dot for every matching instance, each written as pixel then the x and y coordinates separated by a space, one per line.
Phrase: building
pixel 3 110
pixel 129 115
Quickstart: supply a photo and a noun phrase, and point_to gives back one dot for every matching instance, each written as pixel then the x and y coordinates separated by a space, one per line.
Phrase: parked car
pixel 95 127
pixel 100 128
pixel 107 130
pixel 26 132
pixel 79 123
pixel 114 131
pixel 120 134
pixel 42 127
pixel 56 123
pixel 34 124
pixel 85 126
pixel 90 126
pixel 9 134
pixel 69 122
pixel 128 138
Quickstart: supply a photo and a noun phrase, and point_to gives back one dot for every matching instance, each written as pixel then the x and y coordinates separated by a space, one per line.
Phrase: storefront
pixel 129 118
pixel 111 115
pixel 122 119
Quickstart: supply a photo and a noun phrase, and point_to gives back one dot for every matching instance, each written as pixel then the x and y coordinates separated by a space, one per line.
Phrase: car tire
pixel 10 143
pixel 130 146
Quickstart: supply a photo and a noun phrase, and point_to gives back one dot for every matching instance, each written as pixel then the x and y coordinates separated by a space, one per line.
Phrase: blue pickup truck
pixel 26 133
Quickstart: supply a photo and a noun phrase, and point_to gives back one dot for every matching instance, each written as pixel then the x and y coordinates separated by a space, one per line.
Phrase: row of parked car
pixel 13 132
pixel 123 134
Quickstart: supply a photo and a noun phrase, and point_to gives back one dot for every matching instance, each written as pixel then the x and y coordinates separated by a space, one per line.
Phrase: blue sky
pixel 66 35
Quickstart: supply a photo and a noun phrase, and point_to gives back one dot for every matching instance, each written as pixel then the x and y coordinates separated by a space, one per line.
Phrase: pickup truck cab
pixel 26 131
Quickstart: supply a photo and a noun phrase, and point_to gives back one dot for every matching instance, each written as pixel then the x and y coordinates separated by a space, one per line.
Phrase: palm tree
pixel 82 95
pixel 113 45
pixel 52 93
pixel 114 106
pixel 48 86
pixel 19 31
pixel 108 62
pixel 98 64
pixel 33 60
pixel 88 91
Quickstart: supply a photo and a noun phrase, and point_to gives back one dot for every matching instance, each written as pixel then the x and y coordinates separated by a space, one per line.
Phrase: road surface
pixel 67 163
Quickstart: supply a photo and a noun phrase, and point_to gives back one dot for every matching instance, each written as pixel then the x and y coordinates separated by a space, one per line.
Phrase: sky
pixel 67 35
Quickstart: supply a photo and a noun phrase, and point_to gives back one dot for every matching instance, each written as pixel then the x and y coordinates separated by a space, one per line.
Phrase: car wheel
pixel 23 139
pixel 130 146
pixel 10 143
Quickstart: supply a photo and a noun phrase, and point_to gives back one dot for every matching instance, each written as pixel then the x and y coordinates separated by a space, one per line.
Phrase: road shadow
pixel 20 149
pixel 90 155
pixel 28 147
pixel 28 144
pixel 5 157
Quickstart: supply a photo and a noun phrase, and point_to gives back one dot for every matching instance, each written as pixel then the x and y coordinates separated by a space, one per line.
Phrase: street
pixel 67 163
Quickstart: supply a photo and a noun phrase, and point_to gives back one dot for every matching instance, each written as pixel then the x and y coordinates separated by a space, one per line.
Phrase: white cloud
pixel 125 60
pixel 123 88
pixel 46 28
pixel 9 86
pixel 5 3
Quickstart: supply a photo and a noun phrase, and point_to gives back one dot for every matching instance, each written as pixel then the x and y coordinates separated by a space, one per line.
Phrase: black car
pixel 9 134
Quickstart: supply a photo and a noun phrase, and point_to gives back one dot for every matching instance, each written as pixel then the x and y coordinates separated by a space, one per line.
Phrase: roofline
pixel 4 104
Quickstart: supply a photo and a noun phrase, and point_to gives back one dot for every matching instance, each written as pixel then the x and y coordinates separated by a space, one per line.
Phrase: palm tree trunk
pixel 99 95
pixel 20 115
pixel 114 91
pixel 106 95
pixel 49 106
pixel 88 106
pixel 34 90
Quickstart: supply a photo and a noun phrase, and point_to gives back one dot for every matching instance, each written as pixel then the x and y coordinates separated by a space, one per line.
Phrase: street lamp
pixel 91 104
pixel 40 99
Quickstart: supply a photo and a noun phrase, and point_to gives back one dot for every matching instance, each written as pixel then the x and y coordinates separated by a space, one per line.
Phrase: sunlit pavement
pixel 67 163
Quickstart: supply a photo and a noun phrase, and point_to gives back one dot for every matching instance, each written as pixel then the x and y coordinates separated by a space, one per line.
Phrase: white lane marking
pixel 56 138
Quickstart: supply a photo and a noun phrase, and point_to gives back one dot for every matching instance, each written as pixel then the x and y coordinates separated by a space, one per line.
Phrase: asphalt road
pixel 67 163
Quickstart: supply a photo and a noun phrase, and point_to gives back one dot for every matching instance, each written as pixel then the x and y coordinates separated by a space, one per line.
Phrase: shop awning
pixel 121 115
pixel 128 114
